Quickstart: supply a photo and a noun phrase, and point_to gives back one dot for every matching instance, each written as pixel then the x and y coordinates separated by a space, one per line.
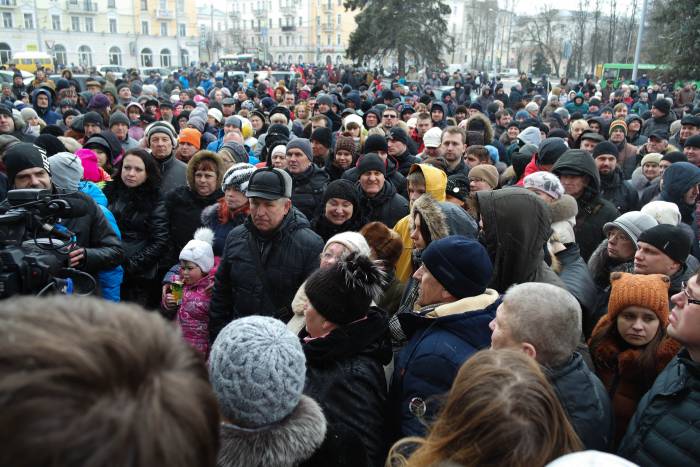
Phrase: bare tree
pixel 595 38
pixel 581 17
pixel 543 31
pixel 612 29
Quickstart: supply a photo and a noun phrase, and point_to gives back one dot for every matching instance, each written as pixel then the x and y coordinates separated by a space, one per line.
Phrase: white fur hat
pixel 199 251
pixel 663 211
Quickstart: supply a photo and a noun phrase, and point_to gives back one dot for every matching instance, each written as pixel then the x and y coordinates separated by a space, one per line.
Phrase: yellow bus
pixel 30 61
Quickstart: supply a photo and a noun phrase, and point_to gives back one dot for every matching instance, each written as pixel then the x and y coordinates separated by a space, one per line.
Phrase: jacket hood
pixel 459 222
pixel 44 91
pixel 286 443
pixel 479 120
pixel 431 215
pixel 196 159
pixel 435 180
pixel 442 106
pixel 517 224
pixel 581 162
pixel 678 179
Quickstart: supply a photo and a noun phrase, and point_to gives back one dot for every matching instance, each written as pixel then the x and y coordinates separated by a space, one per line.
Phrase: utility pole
pixel 638 48
pixel 39 42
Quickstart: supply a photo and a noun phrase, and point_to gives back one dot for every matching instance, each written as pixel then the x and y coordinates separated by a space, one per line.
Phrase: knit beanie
pixel 279 149
pixel 322 135
pixel 530 135
pixel 324 99
pixel 343 292
pixel 302 144
pixel 605 148
pixel 353 241
pixel 99 101
pixel 458 186
pixel 118 117
pixel 50 143
pixel 375 143
pixel 670 239
pixel 432 138
pixel 341 189
pixel 237 151
pixel 692 142
pixel 664 212
pixel 648 291
pixel 369 162
pixel 257 370
pixel 550 149
pixel 487 173
pixel 237 177
pixel 618 124
pixel 24 156
pixel 197 122
pixel 191 136
pixel 161 127
pixel 91 168
pixel 199 250
pixel 633 223
pixel 663 105
pixel 652 158
pixel 66 171
pixel 281 110
pixel 345 142
pixel 461 265
pixel 94 118
pixel 28 113
pixel 545 182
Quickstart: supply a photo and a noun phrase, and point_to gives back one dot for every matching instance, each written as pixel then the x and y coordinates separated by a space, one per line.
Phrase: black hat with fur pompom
pixel 343 293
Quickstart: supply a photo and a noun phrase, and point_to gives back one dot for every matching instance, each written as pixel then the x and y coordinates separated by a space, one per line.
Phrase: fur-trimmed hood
pixel 197 158
pixel 488 129
pixel 287 443
pixel 432 215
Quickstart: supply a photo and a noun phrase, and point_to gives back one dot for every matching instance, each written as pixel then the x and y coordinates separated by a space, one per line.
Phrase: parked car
pixel 81 80
pixel 116 69
pixel 6 76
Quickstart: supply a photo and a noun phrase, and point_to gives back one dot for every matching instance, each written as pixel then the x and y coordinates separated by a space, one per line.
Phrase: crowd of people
pixel 337 270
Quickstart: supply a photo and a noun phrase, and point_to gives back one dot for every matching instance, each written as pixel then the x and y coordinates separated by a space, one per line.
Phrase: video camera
pixel 34 248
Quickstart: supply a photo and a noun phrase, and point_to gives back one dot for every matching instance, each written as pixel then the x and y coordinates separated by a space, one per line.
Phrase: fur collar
pixel 564 208
pixel 287 443
pixel 465 305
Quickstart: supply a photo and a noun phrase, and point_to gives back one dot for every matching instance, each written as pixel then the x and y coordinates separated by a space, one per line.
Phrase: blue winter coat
pixel 437 347
pixel 49 116
pixel 111 279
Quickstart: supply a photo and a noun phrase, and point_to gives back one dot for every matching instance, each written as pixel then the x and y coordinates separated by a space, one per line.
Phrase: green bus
pixel 622 72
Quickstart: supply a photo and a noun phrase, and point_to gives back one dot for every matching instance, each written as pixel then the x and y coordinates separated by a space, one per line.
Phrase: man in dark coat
pixel 544 322
pixel 613 186
pixel 99 248
pixel 308 180
pixel 661 431
pixel 661 118
pixel 275 247
pixel 161 140
pixel 398 147
pixel 379 200
pixel 579 176
pixel 451 325
pixel 9 126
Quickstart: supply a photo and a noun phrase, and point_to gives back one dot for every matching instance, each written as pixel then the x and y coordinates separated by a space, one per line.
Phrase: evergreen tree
pixel 540 65
pixel 410 28
pixel 674 42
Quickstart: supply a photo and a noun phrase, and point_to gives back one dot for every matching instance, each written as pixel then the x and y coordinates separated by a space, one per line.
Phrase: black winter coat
pixel 619 191
pixel 392 175
pixel 184 213
pixel 141 217
pixel 345 374
pixel 288 257
pixel 663 431
pixel 406 160
pixel 585 401
pixel 387 206
pixel 307 190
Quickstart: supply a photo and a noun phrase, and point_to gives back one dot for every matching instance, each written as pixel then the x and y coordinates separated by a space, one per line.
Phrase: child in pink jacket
pixel 197 269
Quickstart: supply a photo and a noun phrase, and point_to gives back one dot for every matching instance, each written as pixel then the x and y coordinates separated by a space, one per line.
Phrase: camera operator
pixel 99 247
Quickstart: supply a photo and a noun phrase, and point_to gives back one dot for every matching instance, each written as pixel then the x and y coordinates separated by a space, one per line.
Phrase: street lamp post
pixel 638 48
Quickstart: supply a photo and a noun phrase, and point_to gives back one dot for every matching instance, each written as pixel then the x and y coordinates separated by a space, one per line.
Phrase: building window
pixel 56 22
pixel 218 26
pixel 144 28
pixel 280 22
pixel 280 38
pixel 89 25
pixel 184 57
pixel 28 21
pixel 328 39
pixel 318 21
pixel 59 54
pixel 338 19
pixel 75 23
pixel 144 5
pixel 5 53
pixel 163 4
pixel 165 58
pixel 112 26
pixel 163 29
pixel 85 55
pixel 7 20
pixel 182 30
pixel 300 21
pixel 111 4
pixel 288 42
pixel 338 39
pixel 115 56
pixel 146 57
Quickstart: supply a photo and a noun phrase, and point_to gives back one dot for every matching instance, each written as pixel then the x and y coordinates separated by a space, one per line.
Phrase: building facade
pixel 130 33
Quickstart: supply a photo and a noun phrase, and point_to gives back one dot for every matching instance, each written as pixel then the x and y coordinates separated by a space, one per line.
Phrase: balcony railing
pixel 288 10
pixel 260 12
pixel 289 28
pixel 326 7
pixel 81 6
pixel 165 14
pixel 327 27
pixel 8 3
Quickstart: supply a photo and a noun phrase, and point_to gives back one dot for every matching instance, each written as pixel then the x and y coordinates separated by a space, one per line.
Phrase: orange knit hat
pixel 644 290
pixel 190 135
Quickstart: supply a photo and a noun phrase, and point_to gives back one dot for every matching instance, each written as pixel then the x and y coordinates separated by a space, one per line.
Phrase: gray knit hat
pixel 160 127
pixel 66 170
pixel 304 145
pixel 237 177
pixel 118 117
pixel 257 370
pixel 633 223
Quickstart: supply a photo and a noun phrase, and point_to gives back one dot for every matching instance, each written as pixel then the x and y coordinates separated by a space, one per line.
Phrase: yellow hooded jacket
pixel 435 185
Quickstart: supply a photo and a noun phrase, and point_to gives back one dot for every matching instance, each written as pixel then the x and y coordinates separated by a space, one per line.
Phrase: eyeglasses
pixel 689 299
